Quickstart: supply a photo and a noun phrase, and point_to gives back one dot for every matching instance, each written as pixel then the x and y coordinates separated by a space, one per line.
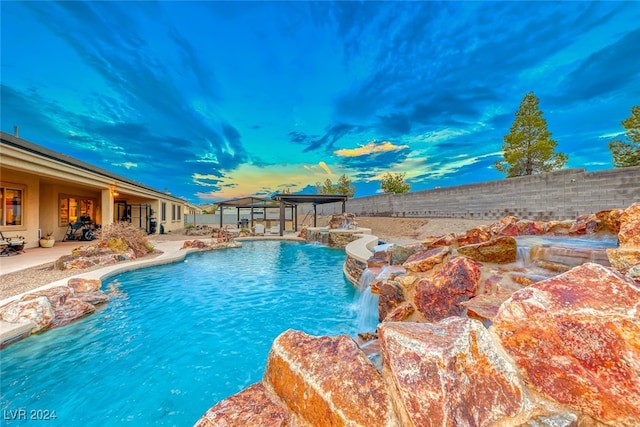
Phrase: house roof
pixel 30 147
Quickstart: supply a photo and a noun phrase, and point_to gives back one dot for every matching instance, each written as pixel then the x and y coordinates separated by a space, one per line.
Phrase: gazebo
pixel 255 204
pixel 281 202
pixel 315 199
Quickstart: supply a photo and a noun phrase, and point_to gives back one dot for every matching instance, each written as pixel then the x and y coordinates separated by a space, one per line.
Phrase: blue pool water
pixel 178 338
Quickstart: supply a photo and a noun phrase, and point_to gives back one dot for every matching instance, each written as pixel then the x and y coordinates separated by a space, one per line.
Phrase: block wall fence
pixel 563 194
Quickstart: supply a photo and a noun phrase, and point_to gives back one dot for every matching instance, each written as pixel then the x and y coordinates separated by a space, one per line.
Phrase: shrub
pixel 122 235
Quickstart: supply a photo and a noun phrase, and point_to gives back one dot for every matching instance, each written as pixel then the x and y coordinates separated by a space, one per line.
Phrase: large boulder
pixel 253 406
pixel 629 234
pixel 475 235
pixel 79 284
pixel 440 296
pixel 72 309
pixel 502 250
pixel 390 295
pixel 448 374
pixel 37 310
pixel 426 260
pixel 576 338
pixel 327 380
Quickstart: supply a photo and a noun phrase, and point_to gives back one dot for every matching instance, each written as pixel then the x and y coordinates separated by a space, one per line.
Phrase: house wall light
pixel 113 190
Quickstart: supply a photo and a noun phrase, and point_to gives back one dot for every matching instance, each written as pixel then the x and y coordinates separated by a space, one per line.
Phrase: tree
pixel 342 187
pixel 528 148
pixel 394 183
pixel 627 153
pixel 326 188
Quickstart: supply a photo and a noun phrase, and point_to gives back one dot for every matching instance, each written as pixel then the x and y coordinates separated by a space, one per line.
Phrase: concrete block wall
pixel 563 194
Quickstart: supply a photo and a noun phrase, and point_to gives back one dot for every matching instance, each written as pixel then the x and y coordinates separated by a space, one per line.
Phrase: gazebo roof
pixel 316 199
pixel 249 202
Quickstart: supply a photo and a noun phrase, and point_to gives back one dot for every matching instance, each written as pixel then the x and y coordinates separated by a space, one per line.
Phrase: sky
pixel 217 100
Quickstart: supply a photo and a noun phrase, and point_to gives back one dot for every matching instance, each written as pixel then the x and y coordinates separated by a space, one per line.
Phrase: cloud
pixel 608 70
pixel 126 165
pixel 372 156
pixel 333 134
pixel 370 148
pixel 324 166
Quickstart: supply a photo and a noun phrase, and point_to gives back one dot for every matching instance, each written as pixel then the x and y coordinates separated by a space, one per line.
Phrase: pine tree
pixel 344 186
pixel 627 153
pixel 394 183
pixel 528 148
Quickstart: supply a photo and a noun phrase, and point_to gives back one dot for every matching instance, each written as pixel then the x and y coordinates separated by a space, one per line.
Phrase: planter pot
pixel 47 243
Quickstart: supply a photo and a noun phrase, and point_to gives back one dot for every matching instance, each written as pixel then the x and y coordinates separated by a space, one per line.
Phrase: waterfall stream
pixel 366 303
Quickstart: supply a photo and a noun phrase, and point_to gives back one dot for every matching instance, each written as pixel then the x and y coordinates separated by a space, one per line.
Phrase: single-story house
pixel 42 191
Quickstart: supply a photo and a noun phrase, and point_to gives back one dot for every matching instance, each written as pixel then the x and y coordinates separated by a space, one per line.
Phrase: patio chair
pixel 11 245
pixel 259 229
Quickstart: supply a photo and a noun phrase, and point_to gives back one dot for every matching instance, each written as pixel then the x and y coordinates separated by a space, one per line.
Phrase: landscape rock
pixel 611 219
pixel 586 224
pixel 448 373
pixel 426 260
pixel 37 310
pixel 390 296
pixel 57 295
pixel 253 406
pixel 399 313
pixel 502 250
pixel 431 242
pixel 475 235
pixel 439 297
pixel 94 298
pixel 624 259
pixel 576 338
pixel 399 253
pixel 629 234
pixel 531 228
pixel 79 284
pixel 72 309
pixel 327 380
pixel 485 307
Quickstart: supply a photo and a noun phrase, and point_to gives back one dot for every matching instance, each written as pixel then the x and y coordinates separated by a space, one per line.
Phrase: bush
pixel 121 236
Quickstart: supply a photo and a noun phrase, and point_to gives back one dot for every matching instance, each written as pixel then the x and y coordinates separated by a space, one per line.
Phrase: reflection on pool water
pixel 176 339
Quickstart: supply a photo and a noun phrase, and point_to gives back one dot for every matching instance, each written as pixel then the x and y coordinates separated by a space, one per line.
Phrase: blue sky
pixel 214 100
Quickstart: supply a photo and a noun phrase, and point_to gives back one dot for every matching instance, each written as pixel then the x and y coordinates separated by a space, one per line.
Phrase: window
pixel 11 205
pixel 73 207
pixel 179 209
pixel 163 211
pixel 173 212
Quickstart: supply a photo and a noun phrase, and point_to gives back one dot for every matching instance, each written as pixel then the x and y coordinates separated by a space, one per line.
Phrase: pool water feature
pixel 176 339
pixel 565 252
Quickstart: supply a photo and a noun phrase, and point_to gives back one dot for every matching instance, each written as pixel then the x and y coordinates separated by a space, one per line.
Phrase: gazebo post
pixel 295 218
pixel 221 214
pixel 343 205
pixel 315 216
pixel 282 216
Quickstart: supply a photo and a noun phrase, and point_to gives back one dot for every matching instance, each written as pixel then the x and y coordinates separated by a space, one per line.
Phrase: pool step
pixel 12 332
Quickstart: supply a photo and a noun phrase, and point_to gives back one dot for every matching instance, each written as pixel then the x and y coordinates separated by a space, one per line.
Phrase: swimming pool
pixel 176 339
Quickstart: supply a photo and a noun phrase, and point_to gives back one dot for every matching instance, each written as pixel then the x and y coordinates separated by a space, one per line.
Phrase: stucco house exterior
pixel 42 191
